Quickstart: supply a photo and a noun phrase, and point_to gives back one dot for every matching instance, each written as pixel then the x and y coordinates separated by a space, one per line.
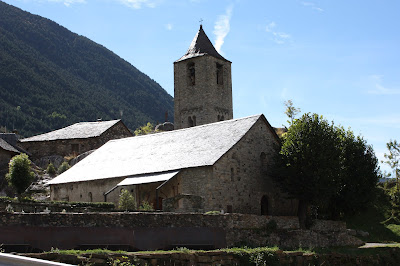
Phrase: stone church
pixel 210 162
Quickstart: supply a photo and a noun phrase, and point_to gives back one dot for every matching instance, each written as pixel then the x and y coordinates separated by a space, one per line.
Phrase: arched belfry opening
pixel 264 205
pixel 202 85
pixel 191 74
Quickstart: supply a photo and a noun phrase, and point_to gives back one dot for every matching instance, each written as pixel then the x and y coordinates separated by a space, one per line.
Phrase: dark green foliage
pixel 103 205
pixel 380 218
pixel 20 175
pixel 51 170
pixel 146 206
pixel 357 176
pixel 126 201
pixel 63 167
pixel 325 166
pixel 51 78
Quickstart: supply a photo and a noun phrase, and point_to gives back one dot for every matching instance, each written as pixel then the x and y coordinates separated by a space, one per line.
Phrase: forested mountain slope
pixel 51 77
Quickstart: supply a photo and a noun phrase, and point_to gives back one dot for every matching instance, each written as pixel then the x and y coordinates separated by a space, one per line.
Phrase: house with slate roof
pixel 75 139
pixel 210 162
pixel 7 151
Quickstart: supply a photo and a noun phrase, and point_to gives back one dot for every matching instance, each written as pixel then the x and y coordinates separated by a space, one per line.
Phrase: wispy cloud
pixel 278 36
pixel 222 27
pixel 169 26
pixel 137 4
pixel 312 5
pixel 378 88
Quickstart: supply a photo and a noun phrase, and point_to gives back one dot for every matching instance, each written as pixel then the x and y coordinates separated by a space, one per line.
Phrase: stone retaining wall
pixel 37 207
pixel 236 229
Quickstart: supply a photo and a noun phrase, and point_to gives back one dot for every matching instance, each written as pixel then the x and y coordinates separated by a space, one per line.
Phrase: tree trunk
pixel 302 213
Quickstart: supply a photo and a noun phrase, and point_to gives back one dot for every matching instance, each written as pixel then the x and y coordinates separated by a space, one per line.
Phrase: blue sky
pixel 339 59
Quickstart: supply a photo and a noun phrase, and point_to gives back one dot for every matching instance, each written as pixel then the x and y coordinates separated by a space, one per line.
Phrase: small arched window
pixel 220 74
pixel 191 74
pixel 194 121
pixel 90 197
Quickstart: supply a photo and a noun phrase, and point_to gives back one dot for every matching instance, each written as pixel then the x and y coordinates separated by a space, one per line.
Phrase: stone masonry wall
pixel 37 207
pixel 206 100
pixel 92 191
pixel 251 230
pixel 5 157
pixel 238 181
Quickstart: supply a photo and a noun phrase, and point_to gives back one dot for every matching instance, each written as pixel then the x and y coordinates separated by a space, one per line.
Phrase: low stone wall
pixel 228 230
pixel 37 207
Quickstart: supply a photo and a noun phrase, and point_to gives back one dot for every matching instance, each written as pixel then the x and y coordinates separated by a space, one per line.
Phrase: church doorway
pixel 264 205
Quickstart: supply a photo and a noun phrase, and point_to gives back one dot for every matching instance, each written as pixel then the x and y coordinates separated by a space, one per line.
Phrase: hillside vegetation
pixel 51 77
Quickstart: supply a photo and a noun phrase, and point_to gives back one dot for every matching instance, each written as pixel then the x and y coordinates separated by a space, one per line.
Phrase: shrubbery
pixel 51 170
pixel 63 167
pixel 20 175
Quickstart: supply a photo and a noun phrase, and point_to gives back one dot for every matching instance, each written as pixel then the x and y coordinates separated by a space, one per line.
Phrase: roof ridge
pixel 188 128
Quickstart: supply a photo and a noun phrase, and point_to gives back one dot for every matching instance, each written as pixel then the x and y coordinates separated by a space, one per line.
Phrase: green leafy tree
pixel 126 201
pixel 357 176
pixel 392 159
pixel 307 162
pixel 325 166
pixel 291 111
pixel 20 175
pixel 144 130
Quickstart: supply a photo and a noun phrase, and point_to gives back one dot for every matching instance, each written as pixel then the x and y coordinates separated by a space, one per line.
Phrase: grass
pixel 379 219
pixel 88 251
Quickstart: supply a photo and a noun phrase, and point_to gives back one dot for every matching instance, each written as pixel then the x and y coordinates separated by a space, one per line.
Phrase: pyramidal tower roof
pixel 200 46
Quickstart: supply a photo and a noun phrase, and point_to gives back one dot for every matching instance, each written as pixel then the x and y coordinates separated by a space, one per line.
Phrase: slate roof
pixel 8 147
pixel 80 130
pixel 200 46
pixel 167 151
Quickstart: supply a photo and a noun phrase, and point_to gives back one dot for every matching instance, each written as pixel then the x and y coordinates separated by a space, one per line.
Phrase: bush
pixel 20 175
pixel 63 167
pixel 51 170
pixel 146 206
pixel 126 201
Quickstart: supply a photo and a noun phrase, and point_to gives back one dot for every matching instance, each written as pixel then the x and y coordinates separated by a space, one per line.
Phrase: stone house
pixel 210 162
pixel 7 151
pixel 217 166
pixel 74 139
